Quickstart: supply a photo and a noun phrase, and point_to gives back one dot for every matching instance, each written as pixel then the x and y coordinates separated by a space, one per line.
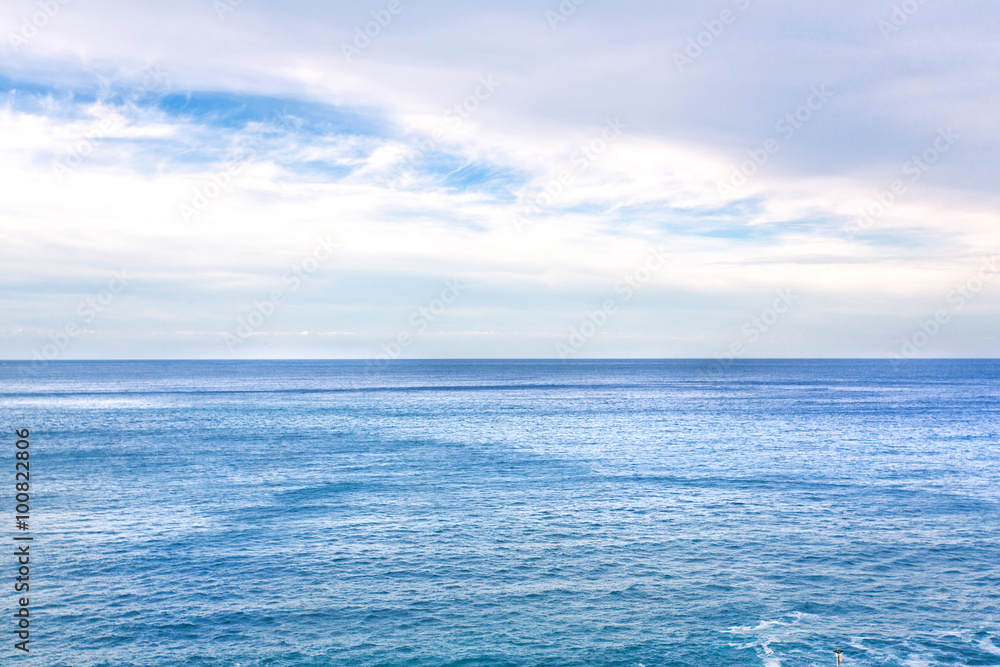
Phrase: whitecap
pixel 987 645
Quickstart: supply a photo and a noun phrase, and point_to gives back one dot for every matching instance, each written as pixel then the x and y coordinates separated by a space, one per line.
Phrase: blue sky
pixel 539 155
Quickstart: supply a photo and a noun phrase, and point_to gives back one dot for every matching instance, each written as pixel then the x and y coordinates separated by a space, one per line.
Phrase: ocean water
pixel 508 513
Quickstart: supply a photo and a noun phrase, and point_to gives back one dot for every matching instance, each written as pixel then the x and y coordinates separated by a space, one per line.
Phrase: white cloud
pixel 656 184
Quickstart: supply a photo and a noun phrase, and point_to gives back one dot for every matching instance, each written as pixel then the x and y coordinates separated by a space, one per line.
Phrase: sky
pixel 241 179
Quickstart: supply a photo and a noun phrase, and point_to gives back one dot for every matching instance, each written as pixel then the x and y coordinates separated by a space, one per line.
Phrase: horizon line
pixel 535 359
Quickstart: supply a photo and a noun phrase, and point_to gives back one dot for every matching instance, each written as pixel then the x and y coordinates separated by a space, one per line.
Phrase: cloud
pixel 205 154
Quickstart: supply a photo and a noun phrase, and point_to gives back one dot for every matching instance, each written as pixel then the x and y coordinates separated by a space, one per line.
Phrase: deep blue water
pixel 632 513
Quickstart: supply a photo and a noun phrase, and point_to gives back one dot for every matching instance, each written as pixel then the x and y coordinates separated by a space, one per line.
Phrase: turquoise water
pixel 632 513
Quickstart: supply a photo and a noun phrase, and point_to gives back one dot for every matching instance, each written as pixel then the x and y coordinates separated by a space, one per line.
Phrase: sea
pixel 638 513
